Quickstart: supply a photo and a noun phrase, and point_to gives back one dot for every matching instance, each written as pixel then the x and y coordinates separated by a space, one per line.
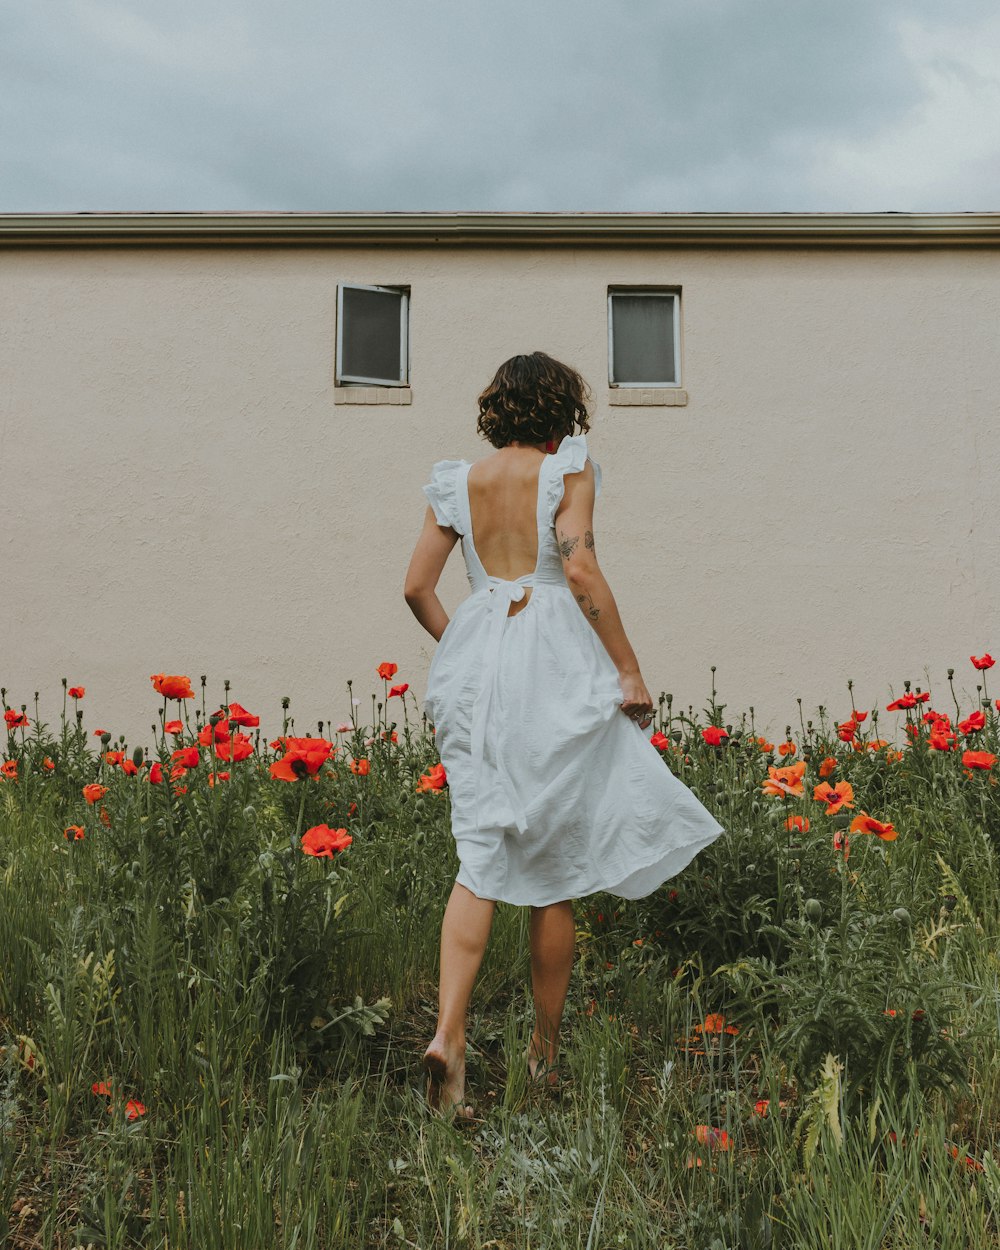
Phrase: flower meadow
pixel 218 972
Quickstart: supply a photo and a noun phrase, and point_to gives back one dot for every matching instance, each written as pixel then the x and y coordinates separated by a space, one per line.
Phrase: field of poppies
pixel 218 972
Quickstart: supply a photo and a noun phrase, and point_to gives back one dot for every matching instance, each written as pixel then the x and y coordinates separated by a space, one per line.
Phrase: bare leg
pixel 465 930
pixel 553 948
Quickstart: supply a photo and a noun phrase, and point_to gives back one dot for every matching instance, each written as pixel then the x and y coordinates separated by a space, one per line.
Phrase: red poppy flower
pixel 321 840
pixel 303 757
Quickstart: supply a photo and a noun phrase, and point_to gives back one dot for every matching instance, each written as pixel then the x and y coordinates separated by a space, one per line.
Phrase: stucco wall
pixel 182 495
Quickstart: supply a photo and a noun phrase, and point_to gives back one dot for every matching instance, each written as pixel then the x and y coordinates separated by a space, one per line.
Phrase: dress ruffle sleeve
pixel 442 494
pixel 570 457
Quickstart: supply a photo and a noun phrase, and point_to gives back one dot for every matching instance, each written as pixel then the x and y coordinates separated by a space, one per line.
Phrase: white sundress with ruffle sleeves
pixel 555 792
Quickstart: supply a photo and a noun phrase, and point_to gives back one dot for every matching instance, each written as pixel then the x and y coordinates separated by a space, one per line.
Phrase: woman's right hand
pixel 637 702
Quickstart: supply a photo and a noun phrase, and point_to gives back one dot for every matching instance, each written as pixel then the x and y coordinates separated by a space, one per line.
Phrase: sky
pixel 541 106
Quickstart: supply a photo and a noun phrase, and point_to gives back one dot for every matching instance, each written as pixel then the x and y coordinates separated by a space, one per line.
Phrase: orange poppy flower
pixel 172 687
pixel 387 669
pixel 863 823
pixel 94 792
pixel 434 779
pixel 361 766
pixel 787 780
pixel 76 692
pixel 835 797
pixel 15 719
pixel 978 759
pixel 9 769
pixel 75 830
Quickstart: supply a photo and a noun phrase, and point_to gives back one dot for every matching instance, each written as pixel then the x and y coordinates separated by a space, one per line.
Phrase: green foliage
pixel 268 1009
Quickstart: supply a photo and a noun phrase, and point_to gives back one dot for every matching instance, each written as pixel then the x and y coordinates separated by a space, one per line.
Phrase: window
pixel 372 335
pixel 643 337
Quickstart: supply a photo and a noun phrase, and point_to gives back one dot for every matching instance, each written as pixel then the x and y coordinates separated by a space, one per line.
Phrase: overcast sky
pixel 533 105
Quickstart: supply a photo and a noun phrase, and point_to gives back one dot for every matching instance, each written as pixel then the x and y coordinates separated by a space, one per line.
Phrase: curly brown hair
pixel 533 399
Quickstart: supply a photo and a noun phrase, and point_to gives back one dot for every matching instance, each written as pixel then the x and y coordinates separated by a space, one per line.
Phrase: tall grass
pixel 211 1038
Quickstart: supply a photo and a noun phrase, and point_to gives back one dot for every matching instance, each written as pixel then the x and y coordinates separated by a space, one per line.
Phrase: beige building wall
pixel 184 495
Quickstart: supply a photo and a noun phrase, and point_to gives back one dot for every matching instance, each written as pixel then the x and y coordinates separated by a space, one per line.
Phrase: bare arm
pixel 598 605
pixel 575 535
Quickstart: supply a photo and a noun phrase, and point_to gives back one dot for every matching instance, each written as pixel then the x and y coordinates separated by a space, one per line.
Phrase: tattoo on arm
pixel 567 546
pixel 591 611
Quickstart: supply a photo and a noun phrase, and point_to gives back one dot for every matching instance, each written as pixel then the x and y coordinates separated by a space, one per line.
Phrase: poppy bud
pixel 105 737
pixel 814 910
pixel 902 915
pixel 137 757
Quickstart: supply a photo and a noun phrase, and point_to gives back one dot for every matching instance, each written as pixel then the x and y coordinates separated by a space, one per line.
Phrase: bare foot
pixel 446 1080
pixel 539 1068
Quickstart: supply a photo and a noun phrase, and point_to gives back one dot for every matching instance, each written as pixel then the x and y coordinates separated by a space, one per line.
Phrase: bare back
pixel 503 503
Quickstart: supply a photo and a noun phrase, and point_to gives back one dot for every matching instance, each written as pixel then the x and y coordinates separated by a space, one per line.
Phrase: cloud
pixel 640 105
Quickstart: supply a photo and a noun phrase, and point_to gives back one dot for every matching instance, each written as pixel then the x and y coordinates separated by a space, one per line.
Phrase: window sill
pixel 372 395
pixel 648 397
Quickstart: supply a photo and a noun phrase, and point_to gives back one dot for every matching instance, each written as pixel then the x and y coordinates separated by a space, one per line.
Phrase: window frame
pixel 350 379
pixel 660 292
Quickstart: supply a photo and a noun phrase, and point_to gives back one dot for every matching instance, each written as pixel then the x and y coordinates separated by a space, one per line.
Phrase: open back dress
pixel 555 792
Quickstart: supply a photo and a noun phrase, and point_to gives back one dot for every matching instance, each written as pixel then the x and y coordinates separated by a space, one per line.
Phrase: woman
pixel 539 708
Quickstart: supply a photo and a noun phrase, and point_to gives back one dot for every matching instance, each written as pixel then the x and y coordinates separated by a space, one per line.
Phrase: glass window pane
pixel 642 334
pixel 372 343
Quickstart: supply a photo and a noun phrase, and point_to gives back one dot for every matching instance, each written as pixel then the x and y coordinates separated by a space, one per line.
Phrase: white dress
pixel 555 792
